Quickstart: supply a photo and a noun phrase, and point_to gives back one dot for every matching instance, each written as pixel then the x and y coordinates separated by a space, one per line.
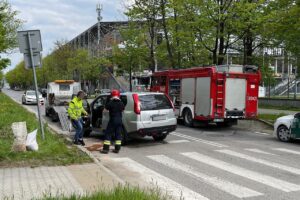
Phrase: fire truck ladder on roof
pixel 220 95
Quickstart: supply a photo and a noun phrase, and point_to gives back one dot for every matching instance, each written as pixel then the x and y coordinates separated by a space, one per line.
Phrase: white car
pixel 287 127
pixel 29 97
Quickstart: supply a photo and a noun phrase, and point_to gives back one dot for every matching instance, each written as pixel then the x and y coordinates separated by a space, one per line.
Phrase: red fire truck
pixel 221 94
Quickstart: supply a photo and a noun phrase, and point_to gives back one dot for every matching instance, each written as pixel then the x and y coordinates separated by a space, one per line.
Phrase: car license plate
pixel 158 118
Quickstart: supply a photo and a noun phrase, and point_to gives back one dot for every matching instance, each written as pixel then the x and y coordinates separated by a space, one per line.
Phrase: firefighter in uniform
pixel 75 112
pixel 115 107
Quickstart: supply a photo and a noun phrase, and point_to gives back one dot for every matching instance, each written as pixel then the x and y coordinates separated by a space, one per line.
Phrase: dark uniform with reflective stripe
pixel 115 107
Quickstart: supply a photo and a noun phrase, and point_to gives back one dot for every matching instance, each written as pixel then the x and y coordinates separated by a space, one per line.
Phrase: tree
pixel 132 54
pixel 9 25
pixel 145 13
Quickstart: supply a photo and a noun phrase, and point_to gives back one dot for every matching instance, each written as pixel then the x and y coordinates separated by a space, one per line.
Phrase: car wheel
pixel 283 134
pixel 159 138
pixel 188 118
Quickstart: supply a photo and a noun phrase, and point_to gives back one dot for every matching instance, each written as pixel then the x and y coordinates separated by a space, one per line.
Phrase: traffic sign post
pixel 31 45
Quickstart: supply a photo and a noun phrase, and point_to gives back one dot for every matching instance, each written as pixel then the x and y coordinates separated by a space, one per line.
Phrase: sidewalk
pixel 27 183
pixel 34 183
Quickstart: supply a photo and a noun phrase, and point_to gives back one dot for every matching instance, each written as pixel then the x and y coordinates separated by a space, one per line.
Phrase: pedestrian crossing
pixel 252 183
pixel 195 139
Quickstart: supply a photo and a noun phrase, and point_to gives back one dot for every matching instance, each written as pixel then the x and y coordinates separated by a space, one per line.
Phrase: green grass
pixel 270 117
pixel 279 107
pixel 118 193
pixel 54 150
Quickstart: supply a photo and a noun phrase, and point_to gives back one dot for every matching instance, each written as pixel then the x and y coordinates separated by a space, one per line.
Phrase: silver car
pixel 145 114
pixel 29 97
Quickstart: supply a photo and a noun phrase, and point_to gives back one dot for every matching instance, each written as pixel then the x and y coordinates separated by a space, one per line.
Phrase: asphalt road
pixel 210 163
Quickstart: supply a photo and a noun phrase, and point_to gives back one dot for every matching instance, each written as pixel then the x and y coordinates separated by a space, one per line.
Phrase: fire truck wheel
pixel 188 118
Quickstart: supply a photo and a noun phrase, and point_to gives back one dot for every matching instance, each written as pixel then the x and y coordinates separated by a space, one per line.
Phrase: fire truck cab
pixel 221 94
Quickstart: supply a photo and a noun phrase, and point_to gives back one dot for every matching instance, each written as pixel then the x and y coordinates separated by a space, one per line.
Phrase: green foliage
pixel 9 25
pixel 60 64
pixel 270 117
pixel 118 193
pixel 133 53
pixel 54 150
pixel 197 32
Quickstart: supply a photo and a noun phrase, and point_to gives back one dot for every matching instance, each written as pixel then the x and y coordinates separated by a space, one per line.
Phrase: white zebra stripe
pixel 177 141
pixel 171 187
pixel 199 140
pixel 226 186
pixel 287 151
pixel 260 151
pixel 261 161
pixel 255 176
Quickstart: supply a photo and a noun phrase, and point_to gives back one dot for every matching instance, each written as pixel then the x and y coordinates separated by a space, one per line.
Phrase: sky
pixel 62 19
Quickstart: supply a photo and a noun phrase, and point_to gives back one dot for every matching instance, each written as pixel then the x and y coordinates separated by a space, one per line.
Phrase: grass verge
pixel 54 150
pixel 118 193
pixel 270 117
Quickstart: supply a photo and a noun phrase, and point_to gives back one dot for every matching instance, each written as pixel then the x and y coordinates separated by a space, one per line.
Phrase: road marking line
pixel 260 151
pixel 287 151
pixel 260 133
pixel 261 161
pixel 255 176
pixel 177 141
pixel 226 186
pixel 198 140
pixel 171 187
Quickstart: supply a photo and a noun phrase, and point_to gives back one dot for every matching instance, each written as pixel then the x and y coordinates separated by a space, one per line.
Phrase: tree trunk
pixel 164 24
pixel 248 48
pixel 151 23
pixel 221 45
pixel 177 39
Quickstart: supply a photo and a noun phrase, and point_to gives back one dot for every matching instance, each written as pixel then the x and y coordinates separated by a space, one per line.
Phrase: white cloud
pixel 62 19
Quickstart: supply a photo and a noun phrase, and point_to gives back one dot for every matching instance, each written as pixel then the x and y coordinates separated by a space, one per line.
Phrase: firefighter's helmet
pixel 115 93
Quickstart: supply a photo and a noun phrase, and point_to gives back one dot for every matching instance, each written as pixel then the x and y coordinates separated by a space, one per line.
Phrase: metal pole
pixel 36 87
pixel 295 96
pixel 288 65
pixel 227 57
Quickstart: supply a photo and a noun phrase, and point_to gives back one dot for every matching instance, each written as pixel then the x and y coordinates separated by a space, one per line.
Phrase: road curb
pixel 265 122
pixel 65 135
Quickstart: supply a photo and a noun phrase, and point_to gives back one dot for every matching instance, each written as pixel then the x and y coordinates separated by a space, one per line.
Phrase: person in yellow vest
pixel 75 112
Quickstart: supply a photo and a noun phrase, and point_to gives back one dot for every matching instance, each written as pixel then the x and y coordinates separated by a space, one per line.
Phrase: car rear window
pixel 154 102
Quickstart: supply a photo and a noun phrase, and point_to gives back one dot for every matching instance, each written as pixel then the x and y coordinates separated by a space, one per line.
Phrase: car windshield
pixel 32 93
pixel 154 102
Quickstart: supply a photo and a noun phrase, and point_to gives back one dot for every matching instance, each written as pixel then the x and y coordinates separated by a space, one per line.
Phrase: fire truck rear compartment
pixel 235 97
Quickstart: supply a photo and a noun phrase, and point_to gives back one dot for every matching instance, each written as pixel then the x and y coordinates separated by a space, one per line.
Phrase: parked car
pixel 29 97
pixel 287 128
pixel 145 114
